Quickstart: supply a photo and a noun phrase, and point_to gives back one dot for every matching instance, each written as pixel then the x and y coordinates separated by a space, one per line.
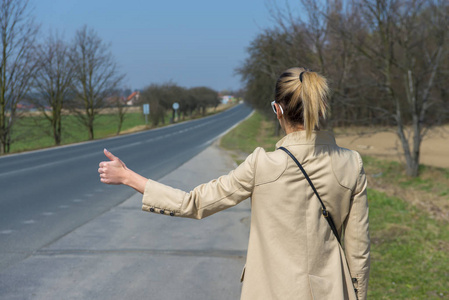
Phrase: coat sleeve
pixel 205 199
pixel 357 240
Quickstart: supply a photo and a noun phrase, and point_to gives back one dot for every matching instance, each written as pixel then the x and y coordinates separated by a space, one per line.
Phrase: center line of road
pixel 65 160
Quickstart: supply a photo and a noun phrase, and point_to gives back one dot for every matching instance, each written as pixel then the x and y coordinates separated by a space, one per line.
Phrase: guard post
pixel 146 112
pixel 175 109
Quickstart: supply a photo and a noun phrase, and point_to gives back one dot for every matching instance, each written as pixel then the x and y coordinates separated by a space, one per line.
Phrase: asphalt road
pixel 46 194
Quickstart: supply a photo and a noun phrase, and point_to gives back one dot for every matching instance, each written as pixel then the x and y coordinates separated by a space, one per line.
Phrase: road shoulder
pixel 127 253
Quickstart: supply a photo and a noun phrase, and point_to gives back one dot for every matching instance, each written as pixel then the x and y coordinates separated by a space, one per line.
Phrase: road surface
pixel 46 194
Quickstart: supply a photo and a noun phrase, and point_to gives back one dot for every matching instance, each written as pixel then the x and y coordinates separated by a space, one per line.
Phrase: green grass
pixel 34 132
pixel 431 180
pixel 409 249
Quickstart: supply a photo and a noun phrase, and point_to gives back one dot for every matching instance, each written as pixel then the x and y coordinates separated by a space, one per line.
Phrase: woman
pixel 292 251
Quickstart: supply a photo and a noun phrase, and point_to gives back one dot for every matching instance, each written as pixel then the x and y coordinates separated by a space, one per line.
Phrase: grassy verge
pixel 34 132
pixel 431 179
pixel 428 192
pixel 410 247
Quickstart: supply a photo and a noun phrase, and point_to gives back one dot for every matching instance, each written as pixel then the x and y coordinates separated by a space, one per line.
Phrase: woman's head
pixel 303 97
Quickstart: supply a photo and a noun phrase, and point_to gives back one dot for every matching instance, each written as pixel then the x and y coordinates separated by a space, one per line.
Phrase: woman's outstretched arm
pixel 115 171
pixel 204 200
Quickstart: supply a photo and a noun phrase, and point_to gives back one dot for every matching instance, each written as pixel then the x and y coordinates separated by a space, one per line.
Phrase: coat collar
pixel 299 138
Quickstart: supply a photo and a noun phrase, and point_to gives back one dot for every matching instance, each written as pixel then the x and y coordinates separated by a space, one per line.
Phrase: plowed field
pixel 386 144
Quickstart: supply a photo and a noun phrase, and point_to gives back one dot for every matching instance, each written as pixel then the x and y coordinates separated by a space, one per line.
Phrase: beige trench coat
pixel 292 252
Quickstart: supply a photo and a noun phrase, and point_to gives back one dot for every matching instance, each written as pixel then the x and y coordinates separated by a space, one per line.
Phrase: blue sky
pixel 191 42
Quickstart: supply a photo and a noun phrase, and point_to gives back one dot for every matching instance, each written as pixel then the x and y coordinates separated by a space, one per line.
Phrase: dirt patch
pixel 135 129
pixel 429 193
pixel 437 206
pixel 393 232
pixel 386 145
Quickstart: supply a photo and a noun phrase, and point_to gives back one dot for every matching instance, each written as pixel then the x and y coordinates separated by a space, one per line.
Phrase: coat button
pixel 162 211
pixel 172 214
pixel 354 280
pixel 151 209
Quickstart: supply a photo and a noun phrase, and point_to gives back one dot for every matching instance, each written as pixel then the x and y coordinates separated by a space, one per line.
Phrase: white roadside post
pixel 175 109
pixel 146 112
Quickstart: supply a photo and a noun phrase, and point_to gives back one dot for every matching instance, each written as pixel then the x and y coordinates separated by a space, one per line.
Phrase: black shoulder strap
pixel 325 213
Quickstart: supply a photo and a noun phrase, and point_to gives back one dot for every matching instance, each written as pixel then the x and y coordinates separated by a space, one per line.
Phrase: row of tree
pixel 161 98
pixel 54 74
pixel 80 77
pixel 387 62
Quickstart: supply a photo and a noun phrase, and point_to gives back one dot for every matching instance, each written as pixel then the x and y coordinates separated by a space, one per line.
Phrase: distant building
pixel 115 100
pixel 25 106
pixel 133 99
pixel 225 99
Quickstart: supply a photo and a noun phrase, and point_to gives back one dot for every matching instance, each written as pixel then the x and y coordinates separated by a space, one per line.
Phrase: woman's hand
pixel 116 172
pixel 113 171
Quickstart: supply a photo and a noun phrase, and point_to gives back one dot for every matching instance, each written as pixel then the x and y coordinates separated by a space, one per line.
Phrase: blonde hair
pixel 303 95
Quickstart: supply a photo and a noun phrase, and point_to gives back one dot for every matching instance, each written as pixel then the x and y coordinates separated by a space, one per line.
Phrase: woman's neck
pixel 288 128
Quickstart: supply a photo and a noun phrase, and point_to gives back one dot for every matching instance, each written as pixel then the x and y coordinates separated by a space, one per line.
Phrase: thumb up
pixel 113 171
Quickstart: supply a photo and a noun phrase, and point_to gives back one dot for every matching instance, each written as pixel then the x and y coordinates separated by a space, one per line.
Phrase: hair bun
pixel 300 74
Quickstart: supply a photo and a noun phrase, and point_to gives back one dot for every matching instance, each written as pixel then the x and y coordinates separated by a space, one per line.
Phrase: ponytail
pixel 304 94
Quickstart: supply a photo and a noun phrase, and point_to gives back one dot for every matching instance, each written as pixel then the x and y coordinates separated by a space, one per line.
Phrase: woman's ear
pixel 279 111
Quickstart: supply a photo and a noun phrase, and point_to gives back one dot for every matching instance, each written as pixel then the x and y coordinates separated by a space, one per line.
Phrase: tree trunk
pixel 2 121
pixel 2 142
pixel 2 148
pixel 8 143
pixel 91 132
pixel 120 123
pixel 55 134
pixel 90 127
pixel 56 126
pixel 5 139
pixel 412 168
pixel 411 157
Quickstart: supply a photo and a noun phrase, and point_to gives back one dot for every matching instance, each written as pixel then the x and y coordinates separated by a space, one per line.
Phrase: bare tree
pixel 95 76
pixel 17 37
pixel 386 61
pixel 52 82
pixel 408 43
pixel 119 104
